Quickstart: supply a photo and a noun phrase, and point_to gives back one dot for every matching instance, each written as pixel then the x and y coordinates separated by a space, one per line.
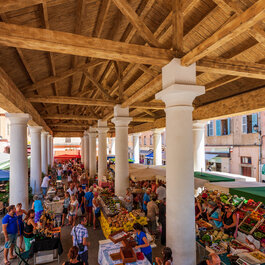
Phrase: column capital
pixel 44 133
pixel 18 118
pixel 35 129
pixel 136 134
pixel 158 130
pixel 92 132
pixel 86 133
pixel 102 127
pixel 121 121
pixel 198 125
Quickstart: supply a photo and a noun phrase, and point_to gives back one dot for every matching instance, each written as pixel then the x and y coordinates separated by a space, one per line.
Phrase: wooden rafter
pixel 69 117
pixel 117 67
pixel 62 42
pixel 241 23
pixel 177 22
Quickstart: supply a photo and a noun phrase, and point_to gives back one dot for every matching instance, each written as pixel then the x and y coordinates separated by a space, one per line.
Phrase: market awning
pixel 150 155
pixel 211 178
pixel 210 156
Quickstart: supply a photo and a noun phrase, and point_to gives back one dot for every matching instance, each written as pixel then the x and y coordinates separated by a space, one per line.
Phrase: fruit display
pixel 225 198
pixel 258 255
pixel 238 245
pixel 219 235
pixel 110 205
pixel 236 201
pixel 202 223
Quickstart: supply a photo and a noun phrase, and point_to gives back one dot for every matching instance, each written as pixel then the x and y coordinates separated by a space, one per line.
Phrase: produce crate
pixel 118 236
pixel 128 255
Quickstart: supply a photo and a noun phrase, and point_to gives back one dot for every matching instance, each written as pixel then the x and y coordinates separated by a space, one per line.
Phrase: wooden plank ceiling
pixel 73 60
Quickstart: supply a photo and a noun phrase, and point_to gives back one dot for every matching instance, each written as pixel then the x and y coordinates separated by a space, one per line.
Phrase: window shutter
pixel 228 126
pixel 218 128
pixel 244 124
pixel 254 121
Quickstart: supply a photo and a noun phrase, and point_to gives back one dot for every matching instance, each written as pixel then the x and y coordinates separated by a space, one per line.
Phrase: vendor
pixel 37 207
pixel 29 227
pixel 215 216
pixel 142 242
pixel 129 200
pixel 229 221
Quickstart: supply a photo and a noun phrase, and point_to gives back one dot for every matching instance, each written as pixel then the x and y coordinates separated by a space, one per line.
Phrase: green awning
pixel 263 170
pixel 6 165
pixel 255 193
pixel 211 178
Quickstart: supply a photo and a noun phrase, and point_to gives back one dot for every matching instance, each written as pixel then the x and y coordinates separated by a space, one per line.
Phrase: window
pixel 144 140
pixel 223 127
pixel 68 140
pixel 248 123
pixel 246 160
pixel 210 128
pixel 140 140
pixel 151 139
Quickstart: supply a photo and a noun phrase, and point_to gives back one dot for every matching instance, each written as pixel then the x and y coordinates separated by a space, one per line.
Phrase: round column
pixel 198 145
pixel 18 191
pixel 86 150
pixel 35 161
pixel 136 148
pixel 102 149
pixel 49 149
pixel 92 152
pixel 121 121
pixel 44 152
pixel 82 150
pixel 113 145
pixel 52 156
pixel 179 166
pixel 157 142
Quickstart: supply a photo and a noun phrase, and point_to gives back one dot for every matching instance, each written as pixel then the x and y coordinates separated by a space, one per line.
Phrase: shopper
pixel 215 215
pixel 146 199
pixel 11 231
pixel 81 199
pixel 213 259
pixel 72 255
pixel 167 258
pixel 80 240
pixel 129 200
pixel 72 189
pixel 162 221
pixel 66 205
pixel 37 207
pixel 89 204
pixel 152 213
pixel 45 185
pixel 161 192
pixel 30 225
pixel 59 173
pixel 142 242
pixel 229 220
pixel 19 213
pixel 96 210
pixel 73 210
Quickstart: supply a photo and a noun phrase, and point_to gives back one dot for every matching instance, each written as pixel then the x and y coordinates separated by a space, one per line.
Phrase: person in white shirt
pixel 161 192
pixel 45 185
pixel 72 190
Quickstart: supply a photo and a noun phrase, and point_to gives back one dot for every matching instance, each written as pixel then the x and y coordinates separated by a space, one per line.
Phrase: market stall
pixel 211 178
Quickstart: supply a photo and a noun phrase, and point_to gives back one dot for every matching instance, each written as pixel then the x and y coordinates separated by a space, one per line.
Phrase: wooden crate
pixel 113 237
pixel 128 255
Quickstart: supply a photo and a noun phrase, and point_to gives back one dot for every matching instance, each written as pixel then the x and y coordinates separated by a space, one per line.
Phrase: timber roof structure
pixel 69 62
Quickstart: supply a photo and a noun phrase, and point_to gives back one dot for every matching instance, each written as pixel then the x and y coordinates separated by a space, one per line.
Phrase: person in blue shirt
pixel 146 199
pixel 37 207
pixel 89 204
pixel 215 216
pixel 142 242
pixel 11 231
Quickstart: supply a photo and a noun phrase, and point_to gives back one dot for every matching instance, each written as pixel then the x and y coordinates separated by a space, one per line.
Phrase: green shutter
pixel 218 127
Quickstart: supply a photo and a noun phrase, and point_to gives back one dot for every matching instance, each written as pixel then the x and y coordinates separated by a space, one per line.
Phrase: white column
pixel 102 149
pixel 113 145
pixel 35 161
pixel 121 120
pixel 108 149
pixel 82 149
pixel 157 143
pixel 52 155
pixel 18 191
pixel 49 149
pixel 44 152
pixel 86 150
pixel 198 145
pixel 179 91
pixel 92 152
pixel 136 148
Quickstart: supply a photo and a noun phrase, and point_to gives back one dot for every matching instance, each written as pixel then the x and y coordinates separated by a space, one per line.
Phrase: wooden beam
pixel 137 22
pixel 241 23
pixel 244 103
pixel 220 82
pixel 11 5
pixel 188 5
pixel 67 126
pixel 117 67
pixel 68 43
pixel 53 79
pixel 148 105
pixel 146 70
pixel 67 134
pixel 158 123
pixel 72 101
pixel 12 100
pixel 177 22
pixel 69 117
pixel 143 119
pixel 230 67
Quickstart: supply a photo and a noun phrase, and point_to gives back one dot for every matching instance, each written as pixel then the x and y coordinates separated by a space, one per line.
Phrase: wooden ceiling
pixel 73 60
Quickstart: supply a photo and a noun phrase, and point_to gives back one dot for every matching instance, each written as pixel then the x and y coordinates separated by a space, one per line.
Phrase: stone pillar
pixel 136 148
pixel 35 161
pixel 49 149
pixel 113 145
pixel 198 145
pixel 179 91
pixel 18 189
pixel 92 152
pixel 44 152
pixel 82 150
pixel 121 120
pixel 52 155
pixel 86 150
pixel 102 149
pixel 157 143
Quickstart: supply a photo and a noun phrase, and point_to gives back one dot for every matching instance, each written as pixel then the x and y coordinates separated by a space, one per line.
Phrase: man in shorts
pixel 11 231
